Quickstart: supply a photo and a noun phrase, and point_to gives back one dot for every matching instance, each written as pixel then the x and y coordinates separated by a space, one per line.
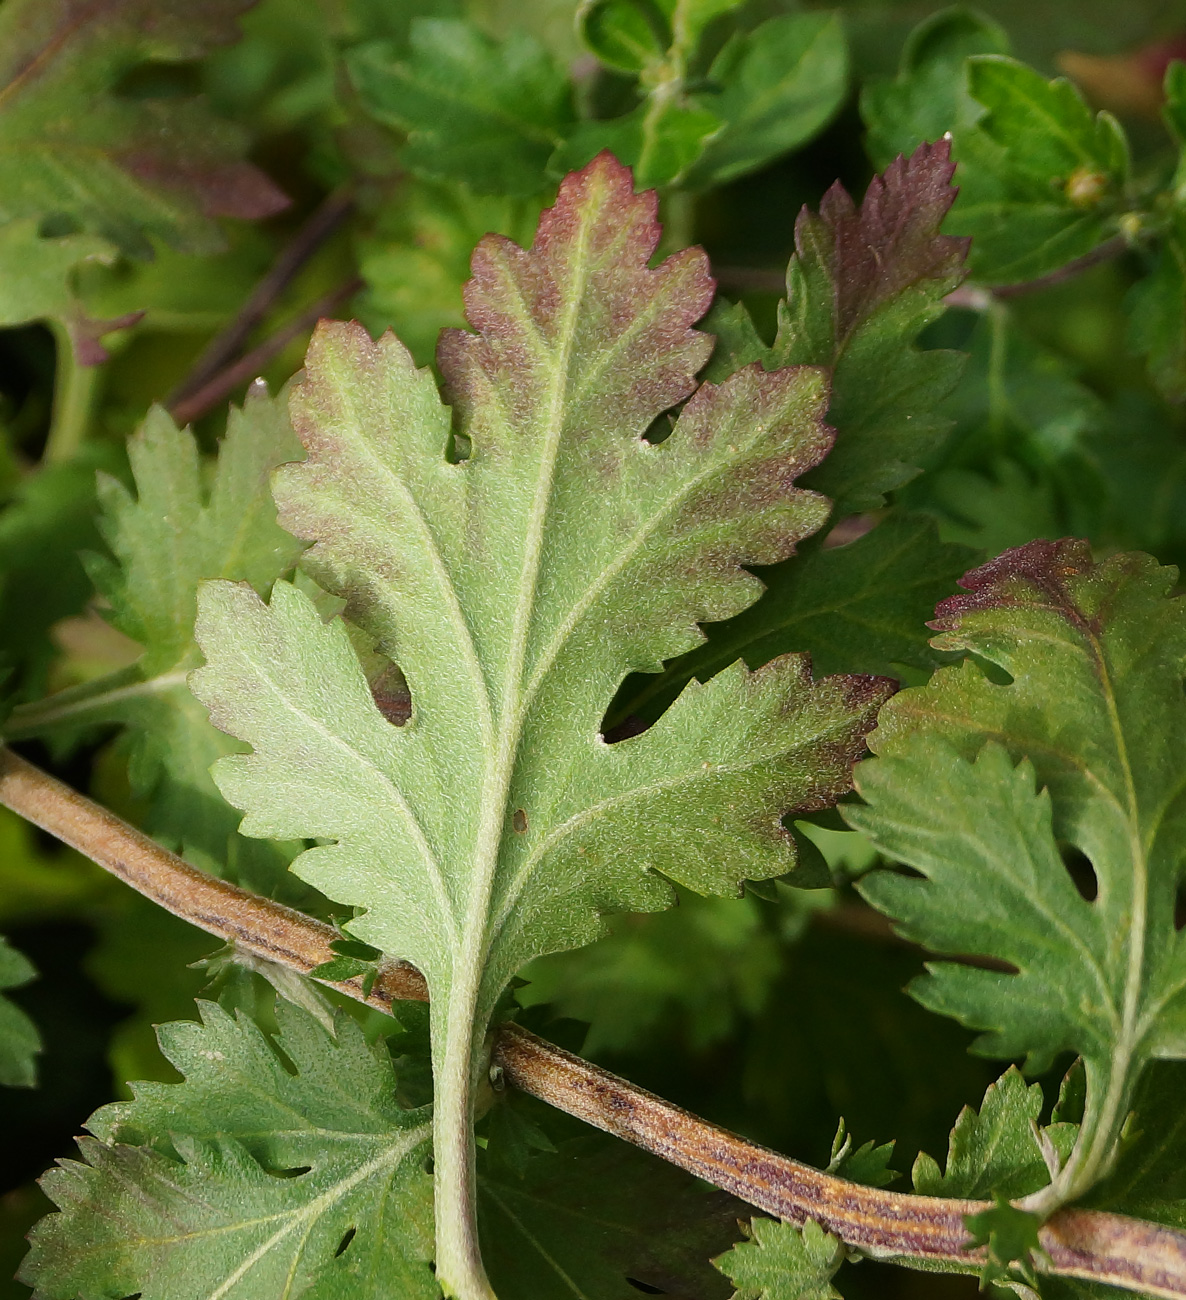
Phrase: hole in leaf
pixel 1180 907
pixel 429 1166
pixel 629 726
pixel 1082 873
pixel 297 1172
pixel 390 692
pixel 344 1244
pixel 644 1287
pixel 459 447
pixel 519 821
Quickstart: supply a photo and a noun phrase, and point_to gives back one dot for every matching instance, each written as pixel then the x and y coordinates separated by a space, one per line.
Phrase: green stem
pixel 75 389
pixel 456 1067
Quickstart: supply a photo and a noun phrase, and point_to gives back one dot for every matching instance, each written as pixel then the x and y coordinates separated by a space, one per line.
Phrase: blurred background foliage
pixel 774 1014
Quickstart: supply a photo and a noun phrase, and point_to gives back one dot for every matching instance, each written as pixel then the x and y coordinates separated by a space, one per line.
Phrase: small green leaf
pixel 485 112
pixel 256 1175
pixel 19 1040
pixel 929 96
pixel 996 1150
pixel 774 89
pixel 978 786
pixel 862 285
pixel 1011 1236
pixel 628 35
pixel 1041 177
pixel 783 1262
pixel 130 169
pixel 867 1164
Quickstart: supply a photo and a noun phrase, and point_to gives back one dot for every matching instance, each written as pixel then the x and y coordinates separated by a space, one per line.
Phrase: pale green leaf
pixel 180 527
pixel 497 825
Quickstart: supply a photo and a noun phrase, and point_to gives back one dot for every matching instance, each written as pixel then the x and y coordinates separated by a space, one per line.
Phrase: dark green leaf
pixel 257 1174
pixel 1041 177
pixel 929 97
pixel 489 113
pixel 773 89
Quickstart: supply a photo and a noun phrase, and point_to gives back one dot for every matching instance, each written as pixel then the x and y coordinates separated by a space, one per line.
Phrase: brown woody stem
pixel 222 385
pixel 226 345
pixel 1089 1244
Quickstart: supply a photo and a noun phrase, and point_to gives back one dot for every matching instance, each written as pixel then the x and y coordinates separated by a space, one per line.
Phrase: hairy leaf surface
pixel 498 825
pixel 127 168
pixel 255 1177
pixel 980 786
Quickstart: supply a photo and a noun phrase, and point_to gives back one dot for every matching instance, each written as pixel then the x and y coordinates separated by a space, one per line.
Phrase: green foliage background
pixel 767 1014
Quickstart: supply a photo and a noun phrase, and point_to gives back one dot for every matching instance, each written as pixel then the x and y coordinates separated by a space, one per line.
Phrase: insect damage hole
pixel 344 1244
pixel 519 821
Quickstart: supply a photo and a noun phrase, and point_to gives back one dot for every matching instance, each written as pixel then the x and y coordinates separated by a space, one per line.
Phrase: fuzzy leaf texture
pixel 251 1179
pixel 177 530
pixel 19 1040
pixel 784 1262
pixel 498 825
pixel 983 787
pixel 862 285
pixel 129 169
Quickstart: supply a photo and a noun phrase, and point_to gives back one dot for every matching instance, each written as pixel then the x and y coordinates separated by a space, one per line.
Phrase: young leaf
pixel 773 89
pixel 929 96
pixel 129 169
pixel 251 1178
pixel 19 1040
pixel 978 785
pixel 863 284
pixel 476 110
pixel 997 1149
pixel 783 1262
pixel 1041 177
pixel 175 532
pixel 497 825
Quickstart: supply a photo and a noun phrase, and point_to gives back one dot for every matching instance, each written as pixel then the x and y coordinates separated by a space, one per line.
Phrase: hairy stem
pixel 1093 1245
pixel 75 387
